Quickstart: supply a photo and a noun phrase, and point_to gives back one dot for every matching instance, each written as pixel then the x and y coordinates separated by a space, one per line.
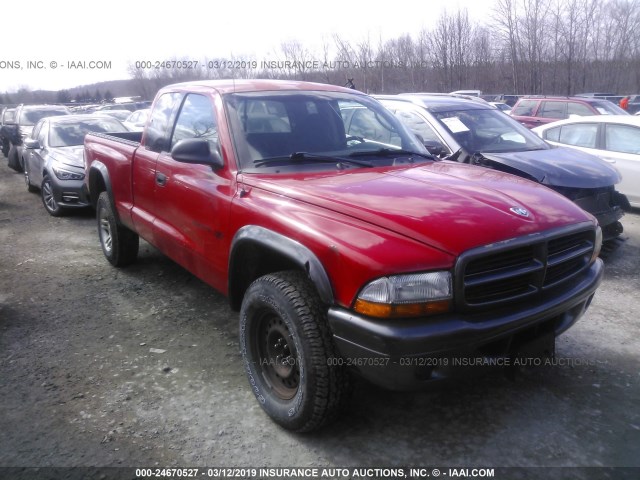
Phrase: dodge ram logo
pixel 523 212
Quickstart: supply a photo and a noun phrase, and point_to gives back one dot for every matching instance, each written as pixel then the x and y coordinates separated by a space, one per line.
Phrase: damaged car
pixel 474 132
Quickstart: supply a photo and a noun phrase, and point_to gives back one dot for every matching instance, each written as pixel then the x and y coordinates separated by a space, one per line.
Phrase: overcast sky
pixel 45 37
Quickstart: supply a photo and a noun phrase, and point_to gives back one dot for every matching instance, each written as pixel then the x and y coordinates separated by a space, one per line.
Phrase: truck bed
pixel 116 151
pixel 123 137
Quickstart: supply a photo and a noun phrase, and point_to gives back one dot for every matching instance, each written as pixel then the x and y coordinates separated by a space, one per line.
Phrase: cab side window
pixel 162 115
pixel 196 120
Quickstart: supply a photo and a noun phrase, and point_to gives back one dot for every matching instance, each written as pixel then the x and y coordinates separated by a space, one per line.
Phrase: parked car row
pixel 452 126
pixel 20 125
pixel 535 111
pixel 46 142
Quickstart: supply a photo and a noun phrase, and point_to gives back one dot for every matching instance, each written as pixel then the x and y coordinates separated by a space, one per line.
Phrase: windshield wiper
pixel 329 159
pixel 388 152
pixel 338 161
pixel 296 156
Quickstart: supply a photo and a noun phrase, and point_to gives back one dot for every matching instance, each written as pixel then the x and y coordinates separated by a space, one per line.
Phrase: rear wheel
pixel 119 244
pixel 289 354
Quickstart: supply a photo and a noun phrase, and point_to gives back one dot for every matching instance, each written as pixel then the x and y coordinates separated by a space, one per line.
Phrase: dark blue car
pixel 475 132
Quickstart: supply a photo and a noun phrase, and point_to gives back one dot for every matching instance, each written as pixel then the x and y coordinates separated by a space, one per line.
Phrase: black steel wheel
pixel 288 352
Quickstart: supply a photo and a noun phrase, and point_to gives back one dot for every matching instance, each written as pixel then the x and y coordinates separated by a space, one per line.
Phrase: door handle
pixel 161 179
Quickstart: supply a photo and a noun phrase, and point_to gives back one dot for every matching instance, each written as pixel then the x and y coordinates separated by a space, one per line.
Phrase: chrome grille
pixel 523 268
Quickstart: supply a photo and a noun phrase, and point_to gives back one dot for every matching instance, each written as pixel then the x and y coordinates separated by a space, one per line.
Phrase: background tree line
pixel 559 47
pixel 525 47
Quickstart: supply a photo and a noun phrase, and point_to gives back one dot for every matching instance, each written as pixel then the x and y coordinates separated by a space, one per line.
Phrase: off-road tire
pixel 288 352
pixel 119 244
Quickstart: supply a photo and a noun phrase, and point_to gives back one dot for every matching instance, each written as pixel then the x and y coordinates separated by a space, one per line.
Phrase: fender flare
pixel 99 169
pixel 287 247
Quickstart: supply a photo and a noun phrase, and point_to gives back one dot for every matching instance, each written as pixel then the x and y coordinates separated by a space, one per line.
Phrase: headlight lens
pixel 63 174
pixel 597 244
pixel 406 295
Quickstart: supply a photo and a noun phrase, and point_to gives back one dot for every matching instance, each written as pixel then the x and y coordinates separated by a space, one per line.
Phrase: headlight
pixel 406 295
pixel 63 174
pixel 597 244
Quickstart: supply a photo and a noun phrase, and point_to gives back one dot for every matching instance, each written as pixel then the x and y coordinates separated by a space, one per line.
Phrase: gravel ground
pixel 140 367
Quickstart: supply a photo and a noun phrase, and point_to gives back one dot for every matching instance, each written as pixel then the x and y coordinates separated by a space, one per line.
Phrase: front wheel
pixel 14 161
pixel 288 352
pixel 119 244
pixel 49 201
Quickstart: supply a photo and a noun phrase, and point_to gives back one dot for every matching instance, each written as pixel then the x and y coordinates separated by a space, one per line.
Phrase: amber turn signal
pixel 404 310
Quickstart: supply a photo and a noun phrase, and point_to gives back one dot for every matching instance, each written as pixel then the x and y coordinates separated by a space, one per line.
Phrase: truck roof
pixel 257 85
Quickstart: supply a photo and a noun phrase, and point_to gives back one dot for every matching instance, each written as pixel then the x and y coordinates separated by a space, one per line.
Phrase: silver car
pixel 53 157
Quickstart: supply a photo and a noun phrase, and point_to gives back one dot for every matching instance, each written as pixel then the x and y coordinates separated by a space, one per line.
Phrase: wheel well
pixel 97 185
pixel 251 261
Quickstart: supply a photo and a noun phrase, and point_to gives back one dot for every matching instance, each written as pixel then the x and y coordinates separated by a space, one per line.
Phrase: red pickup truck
pixel 342 254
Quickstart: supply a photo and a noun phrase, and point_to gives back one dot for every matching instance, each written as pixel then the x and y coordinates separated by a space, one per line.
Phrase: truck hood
pixel 446 205
pixel 560 167
pixel 68 156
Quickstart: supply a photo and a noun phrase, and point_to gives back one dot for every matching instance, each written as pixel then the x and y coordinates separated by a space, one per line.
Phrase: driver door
pixel 192 201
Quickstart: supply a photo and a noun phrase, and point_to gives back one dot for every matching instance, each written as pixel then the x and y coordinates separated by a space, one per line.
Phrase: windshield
pixel 608 108
pixel 31 117
pixel 488 130
pixel 72 134
pixel 319 129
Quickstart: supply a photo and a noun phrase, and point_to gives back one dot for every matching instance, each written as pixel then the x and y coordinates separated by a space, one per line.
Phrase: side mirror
pixel 32 144
pixel 197 151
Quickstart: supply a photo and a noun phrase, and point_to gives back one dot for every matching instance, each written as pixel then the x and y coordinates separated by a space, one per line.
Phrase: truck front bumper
pixel 408 354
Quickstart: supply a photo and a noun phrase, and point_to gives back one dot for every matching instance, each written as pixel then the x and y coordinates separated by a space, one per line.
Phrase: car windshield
pixel 488 130
pixel 608 108
pixel 317 129
pixel 30 117
pixel 69 134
